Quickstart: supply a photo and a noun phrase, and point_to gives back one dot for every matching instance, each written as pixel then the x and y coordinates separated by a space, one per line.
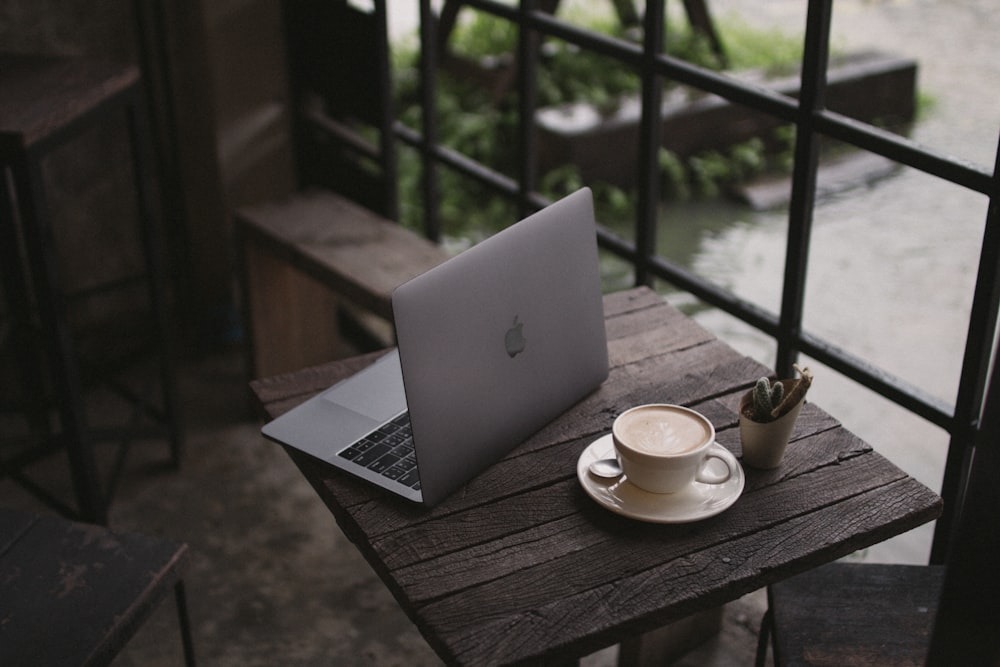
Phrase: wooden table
pixel 521 564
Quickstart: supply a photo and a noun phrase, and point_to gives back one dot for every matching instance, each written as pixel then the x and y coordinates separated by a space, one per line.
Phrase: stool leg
pixel 139 135
pixel 16 294
pixel 185 623
pixel 40 250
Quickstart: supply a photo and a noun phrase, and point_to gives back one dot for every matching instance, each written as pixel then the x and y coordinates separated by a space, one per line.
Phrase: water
pixel 893 262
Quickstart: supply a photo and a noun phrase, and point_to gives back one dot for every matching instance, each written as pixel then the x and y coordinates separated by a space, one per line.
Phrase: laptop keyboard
pixel 388 451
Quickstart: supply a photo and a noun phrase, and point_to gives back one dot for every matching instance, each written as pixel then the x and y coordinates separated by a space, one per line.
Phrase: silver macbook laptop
pixel 492 345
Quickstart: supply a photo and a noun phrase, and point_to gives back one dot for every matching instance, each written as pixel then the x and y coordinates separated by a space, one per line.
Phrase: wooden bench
pixel 317 270
pixel 75 593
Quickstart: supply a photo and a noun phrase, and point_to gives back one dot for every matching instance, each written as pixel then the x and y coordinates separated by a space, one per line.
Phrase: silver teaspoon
pixel 606 468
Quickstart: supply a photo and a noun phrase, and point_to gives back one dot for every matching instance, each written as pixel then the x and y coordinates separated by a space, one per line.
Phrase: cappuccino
pixel 663 448
pixel 662 430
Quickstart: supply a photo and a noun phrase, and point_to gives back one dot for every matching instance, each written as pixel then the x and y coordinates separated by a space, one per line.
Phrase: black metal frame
pixel 47 347
pixel 812 122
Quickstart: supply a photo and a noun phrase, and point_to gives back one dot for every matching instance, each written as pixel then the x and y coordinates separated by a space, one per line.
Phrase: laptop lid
pixel 493 344
pixel 499 340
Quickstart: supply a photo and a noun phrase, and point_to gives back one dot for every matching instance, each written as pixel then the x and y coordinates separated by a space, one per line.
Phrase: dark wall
pixel 219 95
pixel 69 27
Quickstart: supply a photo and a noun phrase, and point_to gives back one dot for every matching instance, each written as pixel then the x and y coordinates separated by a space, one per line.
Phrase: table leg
pixel 670 642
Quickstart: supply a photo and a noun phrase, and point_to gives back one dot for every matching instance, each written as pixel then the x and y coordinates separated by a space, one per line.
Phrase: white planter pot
pixel 764 443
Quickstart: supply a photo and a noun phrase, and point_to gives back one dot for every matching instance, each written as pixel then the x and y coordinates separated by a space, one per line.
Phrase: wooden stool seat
pixel 74 593
pixel 846 614
pixel 44 95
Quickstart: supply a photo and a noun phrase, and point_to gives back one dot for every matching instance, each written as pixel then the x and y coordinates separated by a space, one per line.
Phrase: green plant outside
pixel 473 123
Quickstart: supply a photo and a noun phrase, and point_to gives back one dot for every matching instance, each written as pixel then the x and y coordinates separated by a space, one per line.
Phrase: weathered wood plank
pixel 637 328
pixel 674 588
pixel 12 526
pixel 886 611
pixel 304 257
pixel 347 247
pixel 568 436
pixel 628 301
pixel 74 593
pixel 520 564
pixel 292 317
pixel 277 394
pixel 45 94
pixel 449 564
pixel 677 330
pixel 660 379
pixel 429 539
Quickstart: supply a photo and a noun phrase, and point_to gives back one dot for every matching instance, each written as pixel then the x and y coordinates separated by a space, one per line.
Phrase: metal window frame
pixel 812 121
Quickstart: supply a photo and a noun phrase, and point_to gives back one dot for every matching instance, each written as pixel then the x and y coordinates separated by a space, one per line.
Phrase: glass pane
pixel 760 42
pixel 587 127
pixel 471 212
pixel 616 273
pixel 892 271
pixel 958 72
pixel 732 246
pixel 916 446
pixel 616 17
pixel 742 337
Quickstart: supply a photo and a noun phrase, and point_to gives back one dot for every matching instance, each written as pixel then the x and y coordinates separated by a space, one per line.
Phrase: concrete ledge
pixel 870 87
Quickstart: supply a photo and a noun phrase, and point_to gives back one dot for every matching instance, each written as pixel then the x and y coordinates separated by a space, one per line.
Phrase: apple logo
pixel 514 340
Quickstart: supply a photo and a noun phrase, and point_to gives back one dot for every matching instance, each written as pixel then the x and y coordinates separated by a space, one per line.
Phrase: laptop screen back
pixel 500 340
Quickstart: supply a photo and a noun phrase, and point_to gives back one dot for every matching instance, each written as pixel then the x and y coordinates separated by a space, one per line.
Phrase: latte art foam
pixel 662 431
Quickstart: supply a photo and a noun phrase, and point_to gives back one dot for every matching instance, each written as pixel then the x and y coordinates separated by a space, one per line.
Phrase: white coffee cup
pixel 663 448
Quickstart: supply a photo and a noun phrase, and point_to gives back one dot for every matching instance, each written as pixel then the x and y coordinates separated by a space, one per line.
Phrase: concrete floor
pixel 272 579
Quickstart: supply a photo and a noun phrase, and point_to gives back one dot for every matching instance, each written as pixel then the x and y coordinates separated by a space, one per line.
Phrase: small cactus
pixel 766 397
pixel 769 401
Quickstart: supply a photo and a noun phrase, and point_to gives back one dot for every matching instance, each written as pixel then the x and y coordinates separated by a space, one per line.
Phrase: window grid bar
pixel 812 121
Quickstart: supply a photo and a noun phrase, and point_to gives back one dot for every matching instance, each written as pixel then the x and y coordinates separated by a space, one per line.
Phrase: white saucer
pixel 696 502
